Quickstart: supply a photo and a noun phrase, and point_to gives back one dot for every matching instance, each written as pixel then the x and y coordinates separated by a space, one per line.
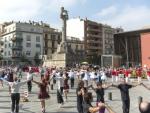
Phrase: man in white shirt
pixel 15 94
pixel 60 84
pixel 71 75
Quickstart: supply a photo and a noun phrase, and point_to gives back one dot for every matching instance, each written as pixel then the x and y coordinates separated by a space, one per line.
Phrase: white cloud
pixel 128 17
pixel 18 9
pixel 24 10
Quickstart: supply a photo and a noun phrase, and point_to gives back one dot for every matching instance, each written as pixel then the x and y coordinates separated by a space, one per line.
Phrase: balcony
pixel 95 36
pixel 16 47
pixel 93 41
pixel 17 39
pixel 16 56
pixel 93 30
pixel 93 47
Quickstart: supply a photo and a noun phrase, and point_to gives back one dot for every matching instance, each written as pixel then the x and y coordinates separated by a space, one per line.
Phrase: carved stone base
pixel 58 60
pixel 61 48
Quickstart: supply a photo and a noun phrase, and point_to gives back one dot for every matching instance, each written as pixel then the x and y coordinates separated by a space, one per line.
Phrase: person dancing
pixel 66 86
pixel 14 91
pixel 43 93
pixel 124 89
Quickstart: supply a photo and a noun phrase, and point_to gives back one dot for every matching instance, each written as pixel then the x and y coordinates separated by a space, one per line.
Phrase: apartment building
pixel 97 37
pixel 52 38
pixel 76 51
pixel 108 38
pixel 21 39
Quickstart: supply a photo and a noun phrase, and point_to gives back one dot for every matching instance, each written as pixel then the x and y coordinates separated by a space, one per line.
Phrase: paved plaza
pixel 70 107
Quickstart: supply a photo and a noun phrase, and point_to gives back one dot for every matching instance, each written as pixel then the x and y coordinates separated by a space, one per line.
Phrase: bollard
pixel 109 95
pixel 140 99
pixel 51 86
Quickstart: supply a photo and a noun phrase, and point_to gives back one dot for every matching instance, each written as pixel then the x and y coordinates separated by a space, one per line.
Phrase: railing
pixel 17 47
pixel 16 56
pixel 17 39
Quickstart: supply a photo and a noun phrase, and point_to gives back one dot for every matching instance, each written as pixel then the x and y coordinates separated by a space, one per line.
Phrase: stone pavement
pixel 70 107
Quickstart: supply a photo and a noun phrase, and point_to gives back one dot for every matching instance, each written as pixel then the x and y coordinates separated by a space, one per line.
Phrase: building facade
pixel 21 41
pixel 52 38
pixel 75 51
pixel 133 47
pixel 98 38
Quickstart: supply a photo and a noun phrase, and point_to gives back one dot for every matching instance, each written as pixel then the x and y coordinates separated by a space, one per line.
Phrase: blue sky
pixel 129 14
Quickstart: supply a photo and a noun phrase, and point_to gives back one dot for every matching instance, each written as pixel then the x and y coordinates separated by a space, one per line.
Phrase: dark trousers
pixel 59 97
pixel 72 82
pixel 15 98
pixel 61 90
pixel 126 106
pixel 80 108
pixel 29 83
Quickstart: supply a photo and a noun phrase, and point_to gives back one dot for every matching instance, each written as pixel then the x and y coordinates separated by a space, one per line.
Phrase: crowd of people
pixel 93 78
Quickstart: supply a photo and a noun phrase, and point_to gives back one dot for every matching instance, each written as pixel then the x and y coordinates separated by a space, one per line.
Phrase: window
pixel 5 45
pixel 28 44
pixel 53 37
pixel 37 38
pixel 9 53
pixel 28 53
pixel 5 53
pixel 9 44
pixel 28 38
pixel 81 47
pixel 5 39
pixel 38 45
pixel 76 47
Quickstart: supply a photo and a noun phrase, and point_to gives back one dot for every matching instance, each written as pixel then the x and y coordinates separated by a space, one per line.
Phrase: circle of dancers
pixel 89 80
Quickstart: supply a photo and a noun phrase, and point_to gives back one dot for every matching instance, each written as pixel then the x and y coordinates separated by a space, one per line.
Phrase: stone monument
pixel 62 48
pixel 59 58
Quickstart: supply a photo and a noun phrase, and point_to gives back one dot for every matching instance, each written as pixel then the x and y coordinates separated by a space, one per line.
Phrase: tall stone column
pixel 64 17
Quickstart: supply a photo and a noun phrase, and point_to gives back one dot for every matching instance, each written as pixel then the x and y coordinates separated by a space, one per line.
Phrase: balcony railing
pixel 16 55
pixel 93 41
pixel 94 29
pixel 17 47
pixel 97 36
pixel 17 39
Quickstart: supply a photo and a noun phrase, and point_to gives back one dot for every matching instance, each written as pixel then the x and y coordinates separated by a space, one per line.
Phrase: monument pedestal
pixel 58 59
